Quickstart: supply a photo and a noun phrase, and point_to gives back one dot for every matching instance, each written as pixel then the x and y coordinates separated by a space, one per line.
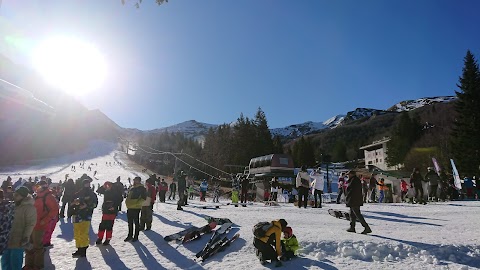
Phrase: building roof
pixel 375 143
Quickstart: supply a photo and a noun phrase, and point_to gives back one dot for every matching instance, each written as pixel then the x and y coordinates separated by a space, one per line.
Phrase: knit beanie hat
pixel 22 191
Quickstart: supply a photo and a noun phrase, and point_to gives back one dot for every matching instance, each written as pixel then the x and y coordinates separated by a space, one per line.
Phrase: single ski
pixel 215 238
pixel 220 246
pixel 181 234
pixel 195 234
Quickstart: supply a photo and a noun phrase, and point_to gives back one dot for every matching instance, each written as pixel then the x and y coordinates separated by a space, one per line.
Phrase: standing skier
pixel 416 180
pixel 341 186
pixel 182 188
pixel 433 180
pixel 173 190
pixel 135 198
pixel 317 184
pixel 354 200
pixel 203 190
pixel 244 194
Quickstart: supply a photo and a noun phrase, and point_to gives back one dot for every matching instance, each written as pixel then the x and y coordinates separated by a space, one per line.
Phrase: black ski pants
pixel 133 217
pixel 355 212
pixel 340 192
pixel 267 250
pixel 433 192
pixel 302 192
pixel 318 193
pixel 419 191
pixel 244 196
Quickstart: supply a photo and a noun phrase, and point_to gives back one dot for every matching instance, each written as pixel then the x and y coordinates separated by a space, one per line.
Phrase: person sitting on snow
pixel 289 244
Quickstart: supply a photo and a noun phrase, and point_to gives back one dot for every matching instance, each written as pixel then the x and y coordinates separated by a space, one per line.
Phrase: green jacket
pixel 137 194
pixel 291 244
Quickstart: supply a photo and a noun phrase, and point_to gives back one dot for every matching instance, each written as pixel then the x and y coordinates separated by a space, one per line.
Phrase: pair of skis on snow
pixel 218 241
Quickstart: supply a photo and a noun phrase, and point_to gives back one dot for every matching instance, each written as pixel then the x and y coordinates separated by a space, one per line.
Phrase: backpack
pixel 260 229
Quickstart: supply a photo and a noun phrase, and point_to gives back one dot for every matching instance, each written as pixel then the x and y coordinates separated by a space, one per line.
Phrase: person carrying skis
pixel 318 185
pixel 433 180
pixel 354 200
pixel 203 190
pixel 289 244
pixel 416 180
pixel 24 219
pixel 137 194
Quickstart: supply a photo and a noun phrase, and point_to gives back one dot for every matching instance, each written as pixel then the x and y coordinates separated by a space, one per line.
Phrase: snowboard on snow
pixel 340 214
pixel 219 246
pixel 216 237
pixel 195 234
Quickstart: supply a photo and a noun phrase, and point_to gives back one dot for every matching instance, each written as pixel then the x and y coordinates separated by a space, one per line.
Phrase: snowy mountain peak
pixel 408 105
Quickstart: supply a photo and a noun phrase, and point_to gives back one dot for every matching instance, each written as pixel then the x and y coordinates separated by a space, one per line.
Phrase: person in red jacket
pixel 47 209
pixel 403 189
pixel 162 190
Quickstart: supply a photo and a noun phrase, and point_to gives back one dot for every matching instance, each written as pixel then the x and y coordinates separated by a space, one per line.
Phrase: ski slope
pixel 405 236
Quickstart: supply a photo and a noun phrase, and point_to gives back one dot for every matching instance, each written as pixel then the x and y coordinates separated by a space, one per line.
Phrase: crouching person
pixel 289 244
pixel 268 242
pixel 24 221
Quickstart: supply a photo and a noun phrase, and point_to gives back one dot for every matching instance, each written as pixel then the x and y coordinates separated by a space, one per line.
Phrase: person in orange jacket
pixel 47 209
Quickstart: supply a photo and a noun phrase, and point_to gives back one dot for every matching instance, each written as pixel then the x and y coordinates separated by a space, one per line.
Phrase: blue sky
pixel 298 60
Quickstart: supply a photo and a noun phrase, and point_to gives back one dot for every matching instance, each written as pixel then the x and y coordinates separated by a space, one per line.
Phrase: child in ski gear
pixel 109 213
pixel 137 194
pixel 190 192
pixel 272 236
pixel 289 244
pixel 24 220
pixel 354 199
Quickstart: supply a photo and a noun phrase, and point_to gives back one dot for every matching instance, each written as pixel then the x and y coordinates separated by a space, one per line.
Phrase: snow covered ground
pixel 405 236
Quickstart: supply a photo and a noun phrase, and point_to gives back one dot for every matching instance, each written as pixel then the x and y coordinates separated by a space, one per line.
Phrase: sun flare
pixel 70 64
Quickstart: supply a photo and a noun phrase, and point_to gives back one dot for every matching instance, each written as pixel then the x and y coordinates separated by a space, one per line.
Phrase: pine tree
pixel 405 133
pixel 466 132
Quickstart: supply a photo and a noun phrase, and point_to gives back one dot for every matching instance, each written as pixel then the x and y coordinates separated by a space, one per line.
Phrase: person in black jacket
pixel 67 198
pixel 118 191
pixel 354 199
pixel 182 188
pixel 416 180
pixel 244 194
pixel 173 189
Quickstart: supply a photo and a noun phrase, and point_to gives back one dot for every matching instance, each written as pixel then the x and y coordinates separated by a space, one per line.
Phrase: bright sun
pixel 70 64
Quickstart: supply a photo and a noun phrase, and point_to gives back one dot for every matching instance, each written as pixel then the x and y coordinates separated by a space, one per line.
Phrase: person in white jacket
pixel 303 184
pixel 317 184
